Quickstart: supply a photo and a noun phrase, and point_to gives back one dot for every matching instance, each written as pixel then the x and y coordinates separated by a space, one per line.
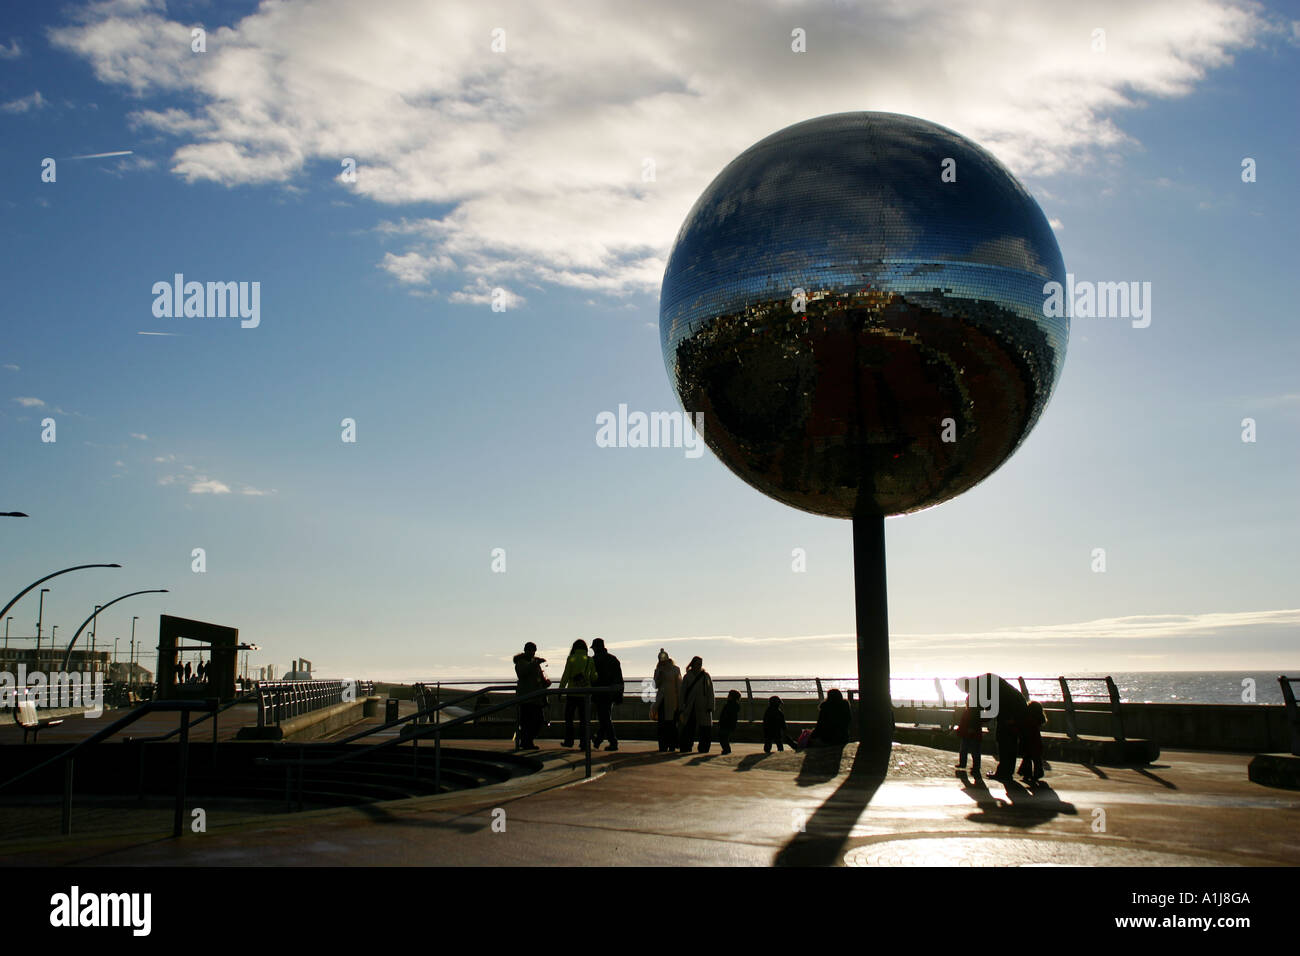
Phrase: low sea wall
pixel 1241 728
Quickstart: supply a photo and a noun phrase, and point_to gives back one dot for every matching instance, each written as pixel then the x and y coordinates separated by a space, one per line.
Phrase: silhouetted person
pixel 609 673
pixel 833 720
pixel 697 706
pixel 970 730
pixel 668 698
pixel 1011 712
pixel 189 672
pixel 1031 741
pixel 529 678
pixel 728 719
pixel 180 672
pixel 579 671
pixel 774 731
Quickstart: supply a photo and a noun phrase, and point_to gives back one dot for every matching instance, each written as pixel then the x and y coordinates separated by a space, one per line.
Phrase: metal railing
pixel 149 707
pixel 213 715
pixel 435 730
pixel 278 700
pixel 755 691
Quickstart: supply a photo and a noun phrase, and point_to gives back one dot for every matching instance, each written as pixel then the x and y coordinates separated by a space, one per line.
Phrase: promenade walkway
pixel 77 728
pixel 646 808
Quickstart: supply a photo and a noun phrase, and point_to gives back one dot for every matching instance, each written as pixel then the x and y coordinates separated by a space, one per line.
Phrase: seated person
pixel 833 721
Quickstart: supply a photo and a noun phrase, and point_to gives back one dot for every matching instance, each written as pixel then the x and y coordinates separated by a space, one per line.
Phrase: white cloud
pixel 25 104
pixel 483 292
pixel 415 269
pixel 536 154
pixel 1132 627
pixel 11 367
pixel 10 51
pixel 200 484
pixel 28 402
pixel 140 436
pixel 209 486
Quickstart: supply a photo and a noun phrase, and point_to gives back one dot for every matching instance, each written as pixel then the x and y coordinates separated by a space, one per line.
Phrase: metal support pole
pixel 182 773
pixel 66 824
pixel 437 761
pixel 749 706
pixel 586 729
pixel 140 792
pixel 875 713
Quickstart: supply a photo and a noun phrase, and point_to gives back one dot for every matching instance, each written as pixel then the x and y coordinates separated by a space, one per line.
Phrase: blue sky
pixel 522 170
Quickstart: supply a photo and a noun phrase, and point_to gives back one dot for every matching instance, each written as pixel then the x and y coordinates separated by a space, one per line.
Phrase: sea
pixel 1188 687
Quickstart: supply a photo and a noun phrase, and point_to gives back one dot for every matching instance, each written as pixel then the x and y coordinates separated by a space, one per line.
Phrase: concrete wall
pixel 310 726
pixel 1244 728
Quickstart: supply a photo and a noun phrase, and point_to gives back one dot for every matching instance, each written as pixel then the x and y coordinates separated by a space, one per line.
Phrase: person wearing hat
pixel 668 695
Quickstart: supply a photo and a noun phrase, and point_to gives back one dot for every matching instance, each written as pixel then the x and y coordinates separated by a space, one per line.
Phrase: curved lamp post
pixel 17 597
pixel 67 655
pixel 12 514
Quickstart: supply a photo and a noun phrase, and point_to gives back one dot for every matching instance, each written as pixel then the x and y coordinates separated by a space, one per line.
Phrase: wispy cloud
pixel 1129 628
pixel 10 50
pixel 209 486
pixel 593 91
pixel 140 436
pixel 25 104
pixel 11 367
pixel 29 402
pixel 198 483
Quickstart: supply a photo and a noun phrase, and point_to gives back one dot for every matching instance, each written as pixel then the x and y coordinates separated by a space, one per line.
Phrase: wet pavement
pixel 646 808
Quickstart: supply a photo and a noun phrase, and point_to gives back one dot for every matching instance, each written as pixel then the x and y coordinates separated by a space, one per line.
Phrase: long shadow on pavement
pixel 1022 808
pixel 827 831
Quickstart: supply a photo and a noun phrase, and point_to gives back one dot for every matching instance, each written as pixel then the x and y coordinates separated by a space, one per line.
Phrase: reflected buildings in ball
pixel 861 336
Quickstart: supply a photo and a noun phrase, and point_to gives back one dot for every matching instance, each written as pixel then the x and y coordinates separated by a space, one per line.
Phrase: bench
pixel 32 723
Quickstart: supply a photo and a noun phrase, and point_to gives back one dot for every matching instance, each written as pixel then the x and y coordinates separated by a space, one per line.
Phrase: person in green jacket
pixel 579 671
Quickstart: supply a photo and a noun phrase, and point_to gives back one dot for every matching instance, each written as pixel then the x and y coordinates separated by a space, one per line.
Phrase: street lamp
pixel 54 637
pixel 131 678
pixel 40 616
pixel 18 597
pixel 67 655
pixel 7 620
pixel 93 627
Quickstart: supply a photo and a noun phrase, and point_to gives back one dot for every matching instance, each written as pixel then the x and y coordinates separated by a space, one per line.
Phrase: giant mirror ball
pixel 861 336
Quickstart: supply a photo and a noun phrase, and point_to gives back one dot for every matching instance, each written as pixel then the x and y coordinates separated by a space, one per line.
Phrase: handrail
pixel 425 731
pixel 181 706
pixel 437 729
pixel 426 712
pixel 252 695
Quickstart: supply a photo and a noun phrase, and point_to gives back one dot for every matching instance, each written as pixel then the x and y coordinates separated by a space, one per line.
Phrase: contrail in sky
pixel 120 152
